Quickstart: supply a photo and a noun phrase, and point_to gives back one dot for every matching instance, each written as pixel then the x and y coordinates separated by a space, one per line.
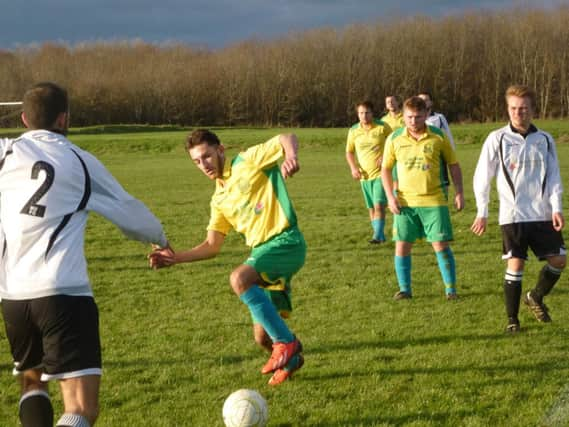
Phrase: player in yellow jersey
pixel 364 152
pixel 420 206
pixel 251 198
pixel 394 116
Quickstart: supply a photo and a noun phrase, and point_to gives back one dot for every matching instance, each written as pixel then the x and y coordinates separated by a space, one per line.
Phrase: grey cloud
pixel 212 23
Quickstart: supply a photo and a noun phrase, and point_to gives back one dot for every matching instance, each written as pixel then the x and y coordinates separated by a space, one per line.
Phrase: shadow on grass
pixel 487 370
pixel 399 344
pixel 440 418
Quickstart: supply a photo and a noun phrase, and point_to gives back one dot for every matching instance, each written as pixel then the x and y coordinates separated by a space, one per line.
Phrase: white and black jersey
pixel 527 176
pixel 47 187
pixel 440 121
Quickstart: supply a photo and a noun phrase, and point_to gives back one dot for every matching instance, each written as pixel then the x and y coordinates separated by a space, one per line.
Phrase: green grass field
pixel 177 342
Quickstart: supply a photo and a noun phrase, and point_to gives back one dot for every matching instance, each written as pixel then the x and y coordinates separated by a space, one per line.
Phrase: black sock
pixel 36 410
pixel 512 295
pixel 548 277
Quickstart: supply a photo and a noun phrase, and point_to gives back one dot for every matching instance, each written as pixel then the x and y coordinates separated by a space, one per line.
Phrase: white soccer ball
pixel 245 408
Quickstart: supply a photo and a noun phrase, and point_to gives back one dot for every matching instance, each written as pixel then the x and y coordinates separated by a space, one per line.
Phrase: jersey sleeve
pixel 389 153
pixel 447 151
pixel 485 171
pixel 553 177
pixel 109 199
pixel 5 148
pixel 264 155
pixel 350 142
pixel 445 126
pixel 217 221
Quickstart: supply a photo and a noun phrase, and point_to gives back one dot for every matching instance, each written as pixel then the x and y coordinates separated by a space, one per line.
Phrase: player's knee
pixel 238 282
pixel 30 380
pixel 558 262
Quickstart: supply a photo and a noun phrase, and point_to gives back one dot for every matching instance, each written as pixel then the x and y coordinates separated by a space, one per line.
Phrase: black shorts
pixel 57 334
pixel 539 236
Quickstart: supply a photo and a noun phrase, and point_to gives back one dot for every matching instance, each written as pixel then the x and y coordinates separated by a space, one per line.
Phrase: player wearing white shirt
pixel 436 119
pixel 523 159
pixel 47 188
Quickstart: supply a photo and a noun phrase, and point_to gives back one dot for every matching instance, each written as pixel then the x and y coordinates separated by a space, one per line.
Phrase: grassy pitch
pixel 177 342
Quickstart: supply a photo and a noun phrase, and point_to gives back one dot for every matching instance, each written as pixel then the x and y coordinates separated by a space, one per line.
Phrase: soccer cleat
pixel 281 375
pixel 539 309
pixel 402 295
pixel 452 296
pixel 282 353
pixel 513 328
pixel 376 241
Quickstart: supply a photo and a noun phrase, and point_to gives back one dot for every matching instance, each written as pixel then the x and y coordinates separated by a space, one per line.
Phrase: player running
pixel 251 197
pixel 48 186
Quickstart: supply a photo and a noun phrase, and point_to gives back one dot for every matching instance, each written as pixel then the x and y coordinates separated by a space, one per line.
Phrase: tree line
pixel 310 78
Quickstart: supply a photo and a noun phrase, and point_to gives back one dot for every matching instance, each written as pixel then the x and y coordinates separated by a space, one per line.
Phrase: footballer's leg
pixel 81 401
pixel 547 244
pixel 26 346
pixel 244 281
pixel 548 277
pixel 403 269
pixel 377 212
pixel 262 339
pixel 380 207
pixel 35 409
pixel 447 267
pixel 377 217
pixel 513 291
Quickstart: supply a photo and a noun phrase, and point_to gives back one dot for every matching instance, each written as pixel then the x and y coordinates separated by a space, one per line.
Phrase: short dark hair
pixel 43 103
pixel 415 103
pixel 201 136
pixel 367 104
pixel 426 92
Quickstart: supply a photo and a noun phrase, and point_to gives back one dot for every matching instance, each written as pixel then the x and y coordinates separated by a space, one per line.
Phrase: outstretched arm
pixel 290 165
pixel 167 257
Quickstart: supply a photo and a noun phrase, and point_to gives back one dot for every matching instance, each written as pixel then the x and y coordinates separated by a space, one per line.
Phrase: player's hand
pixel 356 174
pixel 558 221
pixel 459 201
pixel 478 227
pixel 289 167
pixel 161 257
pixel 379 162
pixel 393 206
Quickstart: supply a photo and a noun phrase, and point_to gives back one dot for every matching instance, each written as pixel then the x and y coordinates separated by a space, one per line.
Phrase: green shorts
pixel 374 194
pixel 432 223
pixel 276 261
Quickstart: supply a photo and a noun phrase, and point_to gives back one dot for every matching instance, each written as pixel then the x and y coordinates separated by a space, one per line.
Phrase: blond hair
pixel 521 91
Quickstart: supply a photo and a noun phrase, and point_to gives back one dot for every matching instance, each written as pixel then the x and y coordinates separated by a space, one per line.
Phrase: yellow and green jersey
pixel 394 122
pixel 368 146
pixel 420 165
pixel 251 197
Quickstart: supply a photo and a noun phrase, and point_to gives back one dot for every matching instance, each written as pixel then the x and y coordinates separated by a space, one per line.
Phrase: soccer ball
pixel 245 408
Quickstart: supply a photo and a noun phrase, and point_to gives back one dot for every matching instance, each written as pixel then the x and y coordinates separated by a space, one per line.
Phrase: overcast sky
pixel 208 23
